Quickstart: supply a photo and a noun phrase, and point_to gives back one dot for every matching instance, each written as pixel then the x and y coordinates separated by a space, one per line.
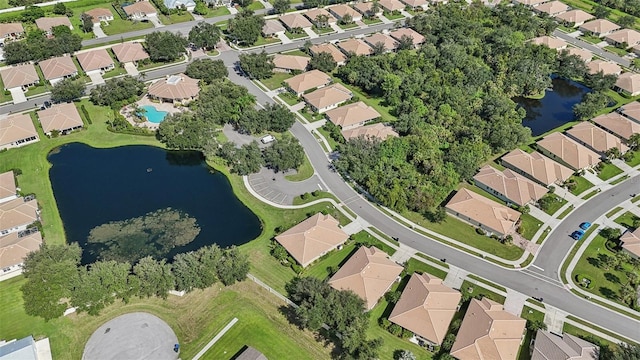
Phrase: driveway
pixel 155 21
pixel 97 31
pixel 96 77
pixel 131 69
pixel 18 95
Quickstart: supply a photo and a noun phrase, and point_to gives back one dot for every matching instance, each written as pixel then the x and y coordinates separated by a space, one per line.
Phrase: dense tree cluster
pixel 37 46
pixel 67 90
pixel 204 35
pixel 452 100
pixel 207 70
pixel 323 62
pixel 245 28
pixel 117 91
pixel 258 65
pixel 165 46
pixel 244 160
pixel 631 7
pixel 56 280
pixel 285 154
pixel 270 118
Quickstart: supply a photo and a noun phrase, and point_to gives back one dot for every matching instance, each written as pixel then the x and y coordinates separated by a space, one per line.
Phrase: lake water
pixel 554 109
pixel 96 186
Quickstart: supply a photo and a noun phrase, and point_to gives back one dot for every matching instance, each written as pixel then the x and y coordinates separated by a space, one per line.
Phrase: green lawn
pixel 119 26
pixel 591 194
pixel 613 212
pixel 392 16
pixel 37 90
pixel 265 41
pixel 376 103
pixel 311 116
pixel 5 95
pixel 304 172
pixel 289 98
pixel 529 226
pixel 565 212
pixel 296 52
pixel 579 332
pixel 296 35
pixel 153 65
pixel 608 171
pixel 617 51
pixel 275 81
pixel 324 30
pixel 635 159
pixel 256 5
pixel 298 200
pixel 115 72
pixel 326 135
pixel 321 268
pixel 479 290
pixel 219 11
pixel 582 185
pixel 175 18
pixel 347 26
pixel 4 4
pixel 414 265
pixel 590 39
pixel 372 21
pixel 556 205
pixel 626 219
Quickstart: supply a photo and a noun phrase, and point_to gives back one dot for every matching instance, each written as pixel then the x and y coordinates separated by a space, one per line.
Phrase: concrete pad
pixel 43 349
pixel 385 20
pixel 97 31
pixel 131 69
pixel 136 335
pixel 514 302
pixel 96 78
pixel 232 10
pixel 352 228
pixel 554 319
pixel 337 28
pixel 403 254
pixel 18 95
pixel 283 38
pixel 155 21
pixel 455 277
pixel 311 34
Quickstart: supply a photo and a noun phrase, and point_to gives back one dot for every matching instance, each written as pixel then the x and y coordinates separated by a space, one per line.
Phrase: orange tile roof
pixel 631 37
pixel 291 62
pixel 337 55
pixel 16 127
pixel 7 29
pixel 48 23
pixel 553 8
pixel 341 10
pixel 575 155
pixel 618 124
pixel 585 55
pixel 312 14
pixel 538 166
pixel 482 210
pixel 95 60
pixel 607 67
pixel 550 42
pixel 391 5
pixel 351 114
pixel 631 242
pixel 129 52
pixel 355 46
pixel 629 82
pixel 512 186
pixel 328 96
pixel 14 249
pixel 7 185
pixel 575 16
pixel 293 21
pixel 550 346
pixel 58 67
pixel 632 111
pixel 59 117
pixel 140 7
pixel 19 75
pixel 388 42
pixel 308 80
pixel 17 212
pixel 599 26
pixel 175 87
pixel 414 35
pixel 596 138
pixel 378 131
pixel 98 13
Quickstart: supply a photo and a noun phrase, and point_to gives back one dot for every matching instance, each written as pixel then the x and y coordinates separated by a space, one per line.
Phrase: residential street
pixel 594 49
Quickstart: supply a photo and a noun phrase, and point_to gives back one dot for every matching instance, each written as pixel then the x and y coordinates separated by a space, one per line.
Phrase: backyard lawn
pixel 529 226
pixel 275 81
pixel 321 268
pixel 608 171
pixel 376 103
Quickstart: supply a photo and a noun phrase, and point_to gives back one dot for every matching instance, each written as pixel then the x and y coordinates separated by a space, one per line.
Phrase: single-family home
pixel 58 68
pixel 631 110
pixel 550 346
pixel 337 55
pixel 507 185
pixel 63 118
pixel 574 18
pixel 15 246
pixel 8 188
pixel 327 98
pixel 585 55
pixel 354 46
pixel 272 27
pixel 391 5
pixel 312 238
pixel 353 115
pixel 17 130
pixel 19 76
pixel 599 27
pixel 550 42
pixel 189 5
pixel 320 17
pixel 309 80
pixel 606 67
pixel 342 10
pixel 100 15
pixel 140 10
pixel 295 22
pixel 561 148
pixel 552 8
pixel 536 167
pixel 625 37
pixel 289 63
pixel 130 52
pixel 416 5
pixel 628 83
pixel 636 49
pixel 175 89
pixel 377 131
pixel 366 9
pixel 400 33
pixel 596 138
pixel 10 31
pixel 17 214
pixel 631 242
pixel 250 353
pixel 96 61
pixel 369 273
pixel 46 24
pixel 488 332
pixel 426 308
pixel 488 215
pixel 379 38
pixel 618 125
pixel 530 2
pixel 26 348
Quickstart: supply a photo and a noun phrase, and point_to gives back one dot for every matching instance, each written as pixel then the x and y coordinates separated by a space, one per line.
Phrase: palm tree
pixel 632 277
pixel 634 140
pixel 627 293
pixel 378 48
pixel 613 153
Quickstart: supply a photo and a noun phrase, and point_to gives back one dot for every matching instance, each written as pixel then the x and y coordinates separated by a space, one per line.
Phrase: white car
pixel 267 139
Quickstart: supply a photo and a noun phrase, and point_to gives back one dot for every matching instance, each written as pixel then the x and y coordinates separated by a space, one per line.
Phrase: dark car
pixel 577 235
pixel 47 104
pixel 585 225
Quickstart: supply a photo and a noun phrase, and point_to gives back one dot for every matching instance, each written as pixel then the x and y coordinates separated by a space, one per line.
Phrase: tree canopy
pixel 323 61
pixel 37 46
pixel 165 46
pixel 257 66
pixel 207 70
pixel 116 91
pixel 245 28
pixel 204 35
pixel 67 90
pixel 284 154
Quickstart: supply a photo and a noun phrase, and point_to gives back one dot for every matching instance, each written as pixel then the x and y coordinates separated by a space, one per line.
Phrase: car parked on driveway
pixel 585 225
pixel 577 235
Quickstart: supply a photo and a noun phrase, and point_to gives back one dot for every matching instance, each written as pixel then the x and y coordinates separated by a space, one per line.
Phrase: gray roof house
pixel 549 346
pixel 175 4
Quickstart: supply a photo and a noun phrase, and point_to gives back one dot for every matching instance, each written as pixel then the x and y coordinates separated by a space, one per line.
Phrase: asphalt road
pixel 594 49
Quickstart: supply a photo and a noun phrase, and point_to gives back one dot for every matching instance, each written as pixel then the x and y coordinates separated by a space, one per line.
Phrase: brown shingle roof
pixel 129 52
pixel 59 117
pixel 575 16
pixel 426 307
pixel 95 59
pixel 484 211
pixel 572 153
pixel 17 212
pixel 348 115
pixel 512 186
pixel 550 42
pixel 607 67
pixel 388 42
pixel 629 82
pixel 312 238
pixel 631 242
pixel 632 111
pixel 175 87
pixel 307 81
pixel 291 62
pixel 488 332
pixel 414 35
pixel 140 7
pixel 7 185
pixel 549 346
pixel 618 124
pixel 537 166
pixel 97 13
pixel 7 29
pixel 355 46
pixel 369 273
pixel 596 138
pixel 331 95
pixel 47 23
pixel 58 67
pixel 378 131
pixel 272 26
pixel 599 26
pixel 293 21
pixel 585 55
pixel 631 37
pixel 553 8
pixel 337 55
pixel 19 75
pixel 391 5
pixel 14 249
pixel 16 127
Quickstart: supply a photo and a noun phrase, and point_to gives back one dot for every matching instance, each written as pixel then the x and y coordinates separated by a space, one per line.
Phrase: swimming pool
pixel 153 115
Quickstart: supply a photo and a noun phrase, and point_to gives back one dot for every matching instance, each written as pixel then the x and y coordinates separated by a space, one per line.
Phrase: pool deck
pixel 127 111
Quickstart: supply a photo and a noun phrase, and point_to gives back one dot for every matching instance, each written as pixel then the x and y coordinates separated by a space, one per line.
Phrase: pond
pixel 97 186
pixel 554 109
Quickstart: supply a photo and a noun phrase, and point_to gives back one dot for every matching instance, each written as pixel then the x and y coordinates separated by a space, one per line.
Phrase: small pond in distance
pixel 96 186
pixel 554 109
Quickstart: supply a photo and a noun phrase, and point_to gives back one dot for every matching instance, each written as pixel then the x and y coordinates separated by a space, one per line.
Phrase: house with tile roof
pixel 58 68
pixel 96 61
pixel 130 52
pixel 317 14
pixel 337 55
pixel 327 98
pixel 19 76
pixel 585 55
pixel 47 24
pixel 250 353
pixel 376 131
pixel 366 8
pixel 289 63
pixel 488 332
pixel 369 273
pixel 416 5
pixel 295 22
pixel 63 118
pixel 10 31
pixel 387 41
pixel 574 18
pixel 606 67
pixel 536 167
pixel 100 15
pixel 355 47
pixel 552 8
pixel 636 49
pixel 272 27
pixel 599 27
pixel 140 10
pixel 341 10
pixel 626 37
pixel 628 84
pixel 562 149
pixel 17 214
pixel 631 242
pixel 391 5
pixel 8 188
pixel 415 36
pixel 531 3
pixel 312 238
pixel 507 185
pixel 177 89
pixel 595 138
pixel 15 246
pixel 631 110
pixel 550 42
pixel 426 308
pixel 309 80
pixel 488 215
pixel 352 115
pixel 550 346
pixel 17 130
pixel 618 125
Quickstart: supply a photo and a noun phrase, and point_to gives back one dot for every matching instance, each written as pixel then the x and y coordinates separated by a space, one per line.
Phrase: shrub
pixel 479 231
pixel 86 114
pixel 395 329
